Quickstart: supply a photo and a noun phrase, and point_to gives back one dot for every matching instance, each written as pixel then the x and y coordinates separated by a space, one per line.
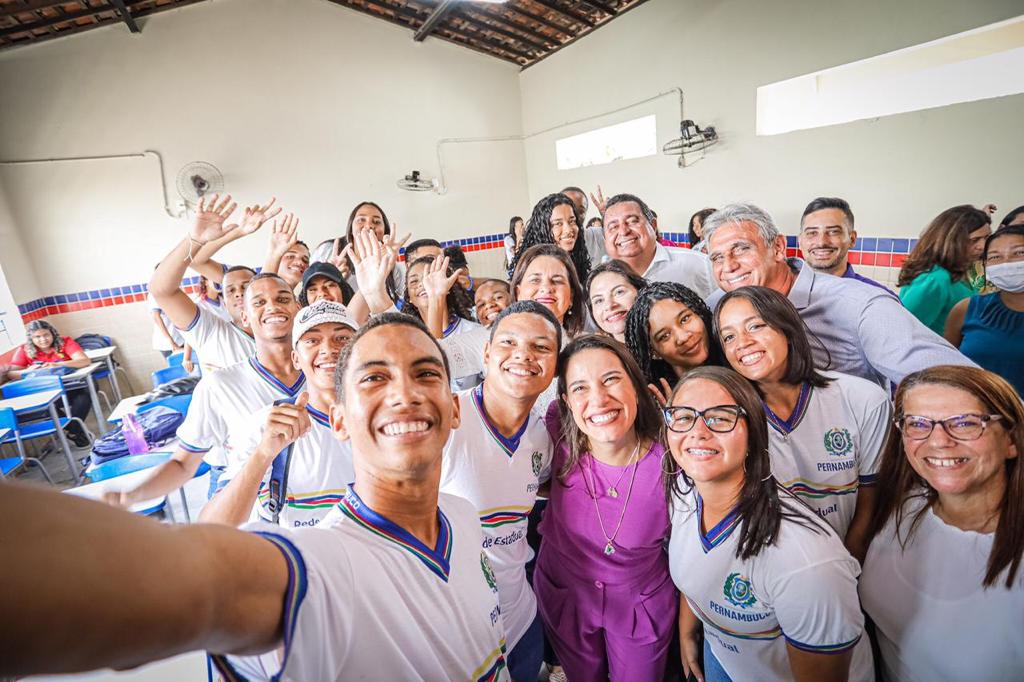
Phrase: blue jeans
pixel 525 659
pixel 713 670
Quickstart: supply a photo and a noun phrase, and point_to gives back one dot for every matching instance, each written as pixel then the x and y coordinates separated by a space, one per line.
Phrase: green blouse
pixel 932 294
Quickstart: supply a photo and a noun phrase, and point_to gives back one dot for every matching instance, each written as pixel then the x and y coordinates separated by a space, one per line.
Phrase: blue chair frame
pixel 10 465
pixel 44 427
pixel 168 374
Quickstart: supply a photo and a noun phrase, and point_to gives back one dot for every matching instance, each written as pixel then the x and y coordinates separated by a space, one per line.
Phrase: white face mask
pixel 1008 277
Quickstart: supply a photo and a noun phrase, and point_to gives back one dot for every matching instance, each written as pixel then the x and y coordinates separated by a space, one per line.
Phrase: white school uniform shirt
pixel 500 476
pixel 831 445
pixel 219 343
pixel 222 406
pixel 160 342
pixel 368 601
pixel 683 266
pixel 463 343
pixel 934 620
pixel 801 590
pixel 218 308
pixel 319 471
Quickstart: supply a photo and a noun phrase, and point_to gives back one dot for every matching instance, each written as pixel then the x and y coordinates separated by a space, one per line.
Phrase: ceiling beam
pixel 490 9
pixel 602 6
pixel 531 36
pixel 396 12
pixel 486 41
pixel 571 16
pixel 46 23
pixel 479 25
pixel 435 17
pixel 126 16
pixel 32 6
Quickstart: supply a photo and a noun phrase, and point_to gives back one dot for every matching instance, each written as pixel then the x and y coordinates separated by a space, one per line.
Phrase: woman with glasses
pixel 770 582
pixel 942 578
pixel 602 579
pixel 826 429
pixel 668 331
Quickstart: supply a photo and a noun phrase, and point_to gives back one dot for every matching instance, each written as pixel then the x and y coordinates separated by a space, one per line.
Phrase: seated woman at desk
pixel 44 349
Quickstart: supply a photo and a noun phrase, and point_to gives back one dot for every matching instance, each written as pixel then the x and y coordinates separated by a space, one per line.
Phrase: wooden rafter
pixel 522 32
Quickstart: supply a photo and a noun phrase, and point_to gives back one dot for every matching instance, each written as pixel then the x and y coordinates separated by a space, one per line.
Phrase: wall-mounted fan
pixel 692 139
pixel 414 182
pixel 198 179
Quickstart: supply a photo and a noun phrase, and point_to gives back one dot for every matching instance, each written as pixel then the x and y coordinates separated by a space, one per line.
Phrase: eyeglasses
pixel 959 427
pixel 720 418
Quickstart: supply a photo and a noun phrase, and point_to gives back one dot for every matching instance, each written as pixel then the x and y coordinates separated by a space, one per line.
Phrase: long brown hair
pixel 573 322
pixel 648 417
pixel 760 509
pixel 902 484
pixel 945 243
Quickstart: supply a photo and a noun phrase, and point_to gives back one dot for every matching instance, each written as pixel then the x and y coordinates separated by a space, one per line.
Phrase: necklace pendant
pixel 609 549
pixel 612 492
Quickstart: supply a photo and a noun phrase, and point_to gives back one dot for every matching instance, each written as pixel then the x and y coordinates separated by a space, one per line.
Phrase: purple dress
pixel 607 615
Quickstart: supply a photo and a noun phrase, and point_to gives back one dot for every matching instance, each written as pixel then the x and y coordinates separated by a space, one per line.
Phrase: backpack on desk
pixel 159 426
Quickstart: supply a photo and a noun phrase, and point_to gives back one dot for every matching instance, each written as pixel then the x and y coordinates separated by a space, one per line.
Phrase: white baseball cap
pixel 321 312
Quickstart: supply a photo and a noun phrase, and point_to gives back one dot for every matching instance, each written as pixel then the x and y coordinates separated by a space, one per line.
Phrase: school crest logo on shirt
pixel 485 566
pixel 838 442
pixel 537 459
pixel 738 592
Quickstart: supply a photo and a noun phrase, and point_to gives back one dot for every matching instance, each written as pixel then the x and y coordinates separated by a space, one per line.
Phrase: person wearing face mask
pixel 611 289
pixel 934 276
pixel 827 429
pixel 318 465
pixel 769 582
pixel 555 220
pixel 601 579
pixel 669 332
pixel 989 328
pixel 942 579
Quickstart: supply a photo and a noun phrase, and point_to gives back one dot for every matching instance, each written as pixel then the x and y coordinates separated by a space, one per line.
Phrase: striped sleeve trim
pixel 192 324
pixel 294 593
pixel 187 447
pixel 842 647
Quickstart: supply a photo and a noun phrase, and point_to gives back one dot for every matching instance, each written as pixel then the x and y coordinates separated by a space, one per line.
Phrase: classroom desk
pixel 126 406
pixel 106 356
pixel 84 376
pixel 34 402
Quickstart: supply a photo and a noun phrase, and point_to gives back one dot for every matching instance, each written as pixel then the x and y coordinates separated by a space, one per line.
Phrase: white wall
pixel 897 172
pixel 321 105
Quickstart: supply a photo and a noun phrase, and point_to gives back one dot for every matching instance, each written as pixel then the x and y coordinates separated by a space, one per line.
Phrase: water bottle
pixel 134 435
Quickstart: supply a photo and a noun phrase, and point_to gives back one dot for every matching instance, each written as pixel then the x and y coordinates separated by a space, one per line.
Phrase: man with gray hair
pixel 630 235
pixel 863 331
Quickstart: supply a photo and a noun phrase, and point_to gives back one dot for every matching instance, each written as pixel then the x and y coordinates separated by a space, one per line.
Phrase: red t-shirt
pixel 71 347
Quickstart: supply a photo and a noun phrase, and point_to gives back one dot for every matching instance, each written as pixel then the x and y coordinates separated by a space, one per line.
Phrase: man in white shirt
pixel 630 235
pixel 289 468
pixel 861 329
pixel 499 457
pixel 393 586
pixel 225 399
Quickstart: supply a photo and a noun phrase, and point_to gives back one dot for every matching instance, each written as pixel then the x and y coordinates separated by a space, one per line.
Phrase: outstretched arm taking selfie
pixel 153 590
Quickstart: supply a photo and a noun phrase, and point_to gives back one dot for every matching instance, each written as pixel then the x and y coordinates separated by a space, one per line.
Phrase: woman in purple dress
pixel 602 579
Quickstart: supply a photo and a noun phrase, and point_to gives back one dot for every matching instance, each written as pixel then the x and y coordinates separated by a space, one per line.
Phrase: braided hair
pixel 538 231
pixel 638 335
pixel 30 348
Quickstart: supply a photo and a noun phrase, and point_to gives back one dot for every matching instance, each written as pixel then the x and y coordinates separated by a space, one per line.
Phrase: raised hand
pixel 436 280
pixel 284 233
pixel 339 259
pixel 662 394
pixel 210 216
pixel 256 216
pixel 599 201
pixel 372 260
pixel 392 242
pixel 285 424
